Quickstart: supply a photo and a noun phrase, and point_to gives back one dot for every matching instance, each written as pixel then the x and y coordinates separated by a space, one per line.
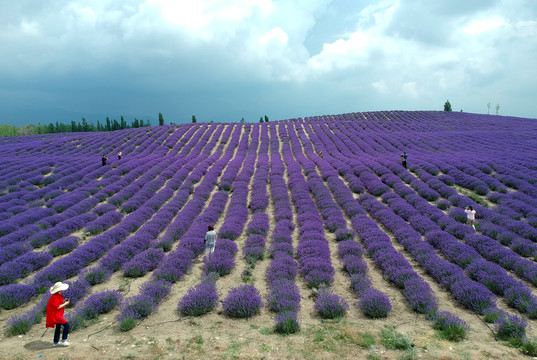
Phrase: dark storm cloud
pixel 227 60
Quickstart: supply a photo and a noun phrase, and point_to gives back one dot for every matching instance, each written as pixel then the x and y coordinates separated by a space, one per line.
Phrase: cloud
pixel 183 57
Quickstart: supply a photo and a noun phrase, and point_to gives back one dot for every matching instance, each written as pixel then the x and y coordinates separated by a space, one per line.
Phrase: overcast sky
pixel 228 59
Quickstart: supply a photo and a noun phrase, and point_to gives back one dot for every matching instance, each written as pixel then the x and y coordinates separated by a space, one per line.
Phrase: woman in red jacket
pixel 55 309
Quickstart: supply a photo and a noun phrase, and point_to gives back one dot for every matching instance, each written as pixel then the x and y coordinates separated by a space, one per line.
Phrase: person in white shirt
pixel 210 241
pixel 470 216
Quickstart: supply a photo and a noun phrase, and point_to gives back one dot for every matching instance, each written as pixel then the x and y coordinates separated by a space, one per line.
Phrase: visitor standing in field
pixel 119 153
pixel 104 159
pixel 55 310
pixel 403 159
pixel 470 216
pixel 210 241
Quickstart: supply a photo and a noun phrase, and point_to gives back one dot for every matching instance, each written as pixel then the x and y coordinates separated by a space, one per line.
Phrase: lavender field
pixel 327 246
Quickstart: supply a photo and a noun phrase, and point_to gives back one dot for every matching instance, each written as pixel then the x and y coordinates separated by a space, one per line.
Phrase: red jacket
pixel 55 315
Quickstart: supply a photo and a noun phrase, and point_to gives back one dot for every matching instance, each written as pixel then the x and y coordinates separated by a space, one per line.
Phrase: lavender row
pixel 373 302
pixel 284 296
pixel 190 228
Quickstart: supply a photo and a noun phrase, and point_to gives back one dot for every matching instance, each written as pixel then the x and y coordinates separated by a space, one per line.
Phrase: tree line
pixel 80 126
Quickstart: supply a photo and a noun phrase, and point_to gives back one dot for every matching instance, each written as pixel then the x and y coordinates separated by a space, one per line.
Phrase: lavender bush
pixel 509 327
pixel 242 302
pixel 199 300
pixel 287 322
pixel 450 326
pixel 330 305
pixel 375 304
pixel 63 246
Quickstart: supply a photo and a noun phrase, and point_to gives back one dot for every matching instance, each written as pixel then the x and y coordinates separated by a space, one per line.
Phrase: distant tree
pixel 447 106
pixel 266 118
pixel 99 126
pixel 261 119
pixel 8 130
pixel 147 123
pixel 85 125
pixel 497 108
pixel 160 119
pixel 136 123
pixel 74 128
pixel 108 125
pixel 123 123
pixel 50 128
pixel 488 108
pixel 243 121
pixel 41 129
pixel 194 119
pixel 26 130
pixel 115 125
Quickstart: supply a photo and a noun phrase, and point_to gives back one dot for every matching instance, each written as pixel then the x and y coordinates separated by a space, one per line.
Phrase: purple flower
pixel 330 305
pixel 220 262
pixel 199 300
pixel 510 327
pixel 143 263
pixel 374 304
pixel 287 322
pixel 450 326
pixel 283 296
pixel 243 302
pixel 14 295
pixel 63 246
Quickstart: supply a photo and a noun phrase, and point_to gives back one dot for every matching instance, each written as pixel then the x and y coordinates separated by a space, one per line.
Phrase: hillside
pixel 314 213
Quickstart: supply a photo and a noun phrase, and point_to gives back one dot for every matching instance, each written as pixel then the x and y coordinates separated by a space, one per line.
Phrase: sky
pixel 226 60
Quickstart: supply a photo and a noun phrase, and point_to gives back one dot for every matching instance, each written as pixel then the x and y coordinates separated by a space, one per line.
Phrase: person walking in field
pixel 55 310
pixel 210 241
pixel 104 159
pixel 470 216
pixel 403 159
pixel 119 154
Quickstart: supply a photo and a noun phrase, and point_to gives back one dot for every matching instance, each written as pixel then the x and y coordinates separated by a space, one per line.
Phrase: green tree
pixel 8 130
pixel 136 123
pixel 243 121
pixel 160 119
pixel 194 119
pixel 108 125
pixel 85 125
pixel 41 129
pixel 123 123
pixel 266 118
pixel 447 106
pixel 115 125
pixel 261 119
pixel 27 130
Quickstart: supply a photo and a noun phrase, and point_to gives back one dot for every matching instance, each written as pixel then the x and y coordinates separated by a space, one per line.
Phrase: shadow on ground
pixel 38 345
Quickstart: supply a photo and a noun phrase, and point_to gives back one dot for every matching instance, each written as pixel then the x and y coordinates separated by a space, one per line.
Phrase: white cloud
pixel 480 26
pixel 411 89
pixel 380 86
pixel 176 46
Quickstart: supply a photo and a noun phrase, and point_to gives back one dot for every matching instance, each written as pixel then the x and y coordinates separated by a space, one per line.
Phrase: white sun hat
pixel 59 286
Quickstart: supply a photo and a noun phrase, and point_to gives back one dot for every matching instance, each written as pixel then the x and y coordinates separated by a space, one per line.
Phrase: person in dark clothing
pixel 403 159
pixel 104 159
